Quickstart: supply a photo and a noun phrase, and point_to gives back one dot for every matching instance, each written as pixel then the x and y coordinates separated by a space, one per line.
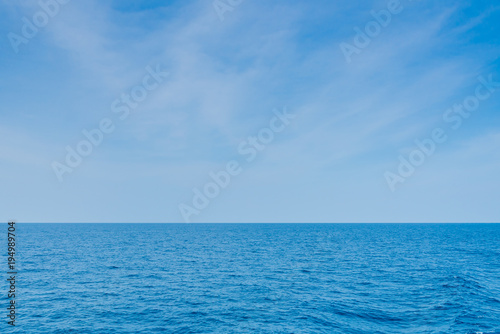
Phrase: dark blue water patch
pixel 257 278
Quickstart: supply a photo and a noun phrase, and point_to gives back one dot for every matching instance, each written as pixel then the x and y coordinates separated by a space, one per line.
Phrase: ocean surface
pixel 255 278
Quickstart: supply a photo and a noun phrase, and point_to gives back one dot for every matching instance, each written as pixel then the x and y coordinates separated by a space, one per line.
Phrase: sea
pixel 254 278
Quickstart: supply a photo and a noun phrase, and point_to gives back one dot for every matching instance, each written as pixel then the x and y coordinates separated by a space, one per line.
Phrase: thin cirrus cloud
pixel 226 77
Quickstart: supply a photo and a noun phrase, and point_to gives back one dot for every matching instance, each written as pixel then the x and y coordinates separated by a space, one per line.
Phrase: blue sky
pixel 352 120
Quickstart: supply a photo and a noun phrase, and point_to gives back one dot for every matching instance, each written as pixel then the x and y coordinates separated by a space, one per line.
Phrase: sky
pixel 249 111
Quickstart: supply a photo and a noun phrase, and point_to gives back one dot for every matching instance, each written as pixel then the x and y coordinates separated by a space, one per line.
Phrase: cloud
pixel 225 80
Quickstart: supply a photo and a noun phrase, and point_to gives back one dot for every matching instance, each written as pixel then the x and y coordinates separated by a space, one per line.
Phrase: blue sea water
pixel 256 278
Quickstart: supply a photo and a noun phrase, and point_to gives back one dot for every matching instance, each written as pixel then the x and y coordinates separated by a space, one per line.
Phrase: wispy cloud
pixel 225 79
